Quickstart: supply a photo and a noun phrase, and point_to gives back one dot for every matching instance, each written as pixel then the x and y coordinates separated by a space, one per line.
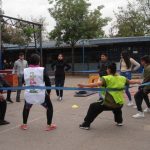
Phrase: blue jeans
pixel 127 74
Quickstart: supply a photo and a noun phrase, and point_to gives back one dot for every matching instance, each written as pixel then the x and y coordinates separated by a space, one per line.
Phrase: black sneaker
pixel 4 122
pixel 9 100
pixel 100 99
pixel 84 126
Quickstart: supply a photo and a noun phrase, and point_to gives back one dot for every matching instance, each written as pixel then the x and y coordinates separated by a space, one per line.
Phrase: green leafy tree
pixel 130 21
pixel 21 34
pixel 144 6
pixel 12 35
pixel 41 20
pixel 74 21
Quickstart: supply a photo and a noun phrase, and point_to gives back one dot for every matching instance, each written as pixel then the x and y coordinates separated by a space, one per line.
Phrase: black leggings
pixel 96 108
pixel 59 82
pixel 47 104
pixel 3 107
pixel 139 96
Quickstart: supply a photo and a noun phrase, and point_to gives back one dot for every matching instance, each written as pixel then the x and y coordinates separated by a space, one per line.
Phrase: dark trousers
pixel 8 91
pixel 3 107
pixel 139 96
pixel 47 104
pixel 59 82
pixel 20 83
pixel 96 108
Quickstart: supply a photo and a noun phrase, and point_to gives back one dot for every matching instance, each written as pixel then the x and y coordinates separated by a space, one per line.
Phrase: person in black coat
pixel 60 66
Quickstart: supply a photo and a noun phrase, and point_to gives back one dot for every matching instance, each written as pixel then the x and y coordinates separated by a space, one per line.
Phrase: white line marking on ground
pixel 6 130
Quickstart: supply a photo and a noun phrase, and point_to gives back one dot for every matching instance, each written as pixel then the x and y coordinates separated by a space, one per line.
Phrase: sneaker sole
pixel 146 111
pixel 50 129
pixel 137 117
pixel 119 125
pixel 23 128
pixel 85 128
pixel 130 105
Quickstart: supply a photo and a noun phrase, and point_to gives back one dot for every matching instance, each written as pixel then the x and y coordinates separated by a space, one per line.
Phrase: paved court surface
pixel 104 135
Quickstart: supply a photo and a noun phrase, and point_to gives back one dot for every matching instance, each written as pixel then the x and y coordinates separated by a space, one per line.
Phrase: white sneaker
pixel 135 107
pixel 147 110
pixel 130 104
pixel 60 98
pixel 139 115
pixel 119 124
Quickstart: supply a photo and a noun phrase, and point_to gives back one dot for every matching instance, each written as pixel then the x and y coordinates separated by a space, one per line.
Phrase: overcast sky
pixel 36 8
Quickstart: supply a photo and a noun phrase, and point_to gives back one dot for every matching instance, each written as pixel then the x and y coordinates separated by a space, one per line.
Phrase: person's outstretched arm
pixel 91 85
pixel 135 64
pixel 14 71
pixel 67 67
pixel 134 81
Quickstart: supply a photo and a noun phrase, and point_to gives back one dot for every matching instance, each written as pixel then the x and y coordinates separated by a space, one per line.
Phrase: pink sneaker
pixel 50 127
pixel 24 127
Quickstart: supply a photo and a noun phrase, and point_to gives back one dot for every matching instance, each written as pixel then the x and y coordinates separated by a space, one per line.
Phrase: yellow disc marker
pixel 75 106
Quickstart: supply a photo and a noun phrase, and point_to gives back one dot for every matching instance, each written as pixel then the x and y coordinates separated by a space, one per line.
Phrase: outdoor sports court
pixel 104 134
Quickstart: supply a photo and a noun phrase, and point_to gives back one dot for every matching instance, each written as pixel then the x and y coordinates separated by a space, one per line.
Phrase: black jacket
pixel 60 67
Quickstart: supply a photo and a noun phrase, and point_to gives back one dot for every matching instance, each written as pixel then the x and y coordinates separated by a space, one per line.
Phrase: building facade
pixel 86 52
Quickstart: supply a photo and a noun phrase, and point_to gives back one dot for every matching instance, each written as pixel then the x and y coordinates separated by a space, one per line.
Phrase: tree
pixel 12 35
pixel 21 33
pixel 20 36
pixel 130 22
pixel 144 5
pixel 41 20
pixel 74 21
pixel 145 8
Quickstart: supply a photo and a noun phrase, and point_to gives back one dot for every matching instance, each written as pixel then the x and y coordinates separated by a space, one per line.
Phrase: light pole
pixel 41 51
pixel 0 35
pixel 83 53
pixel 84 41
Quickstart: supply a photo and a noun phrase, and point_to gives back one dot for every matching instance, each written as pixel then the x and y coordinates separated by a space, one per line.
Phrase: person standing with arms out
pixel 18 69
pixel 37 76
pixel 143 91
pixel 113 100
pixel 102 66
pixel 60 66
pixel 128 64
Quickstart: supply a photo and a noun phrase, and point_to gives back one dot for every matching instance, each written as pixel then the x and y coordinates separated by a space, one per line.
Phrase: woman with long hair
pixel 60 66
pixel 127 65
